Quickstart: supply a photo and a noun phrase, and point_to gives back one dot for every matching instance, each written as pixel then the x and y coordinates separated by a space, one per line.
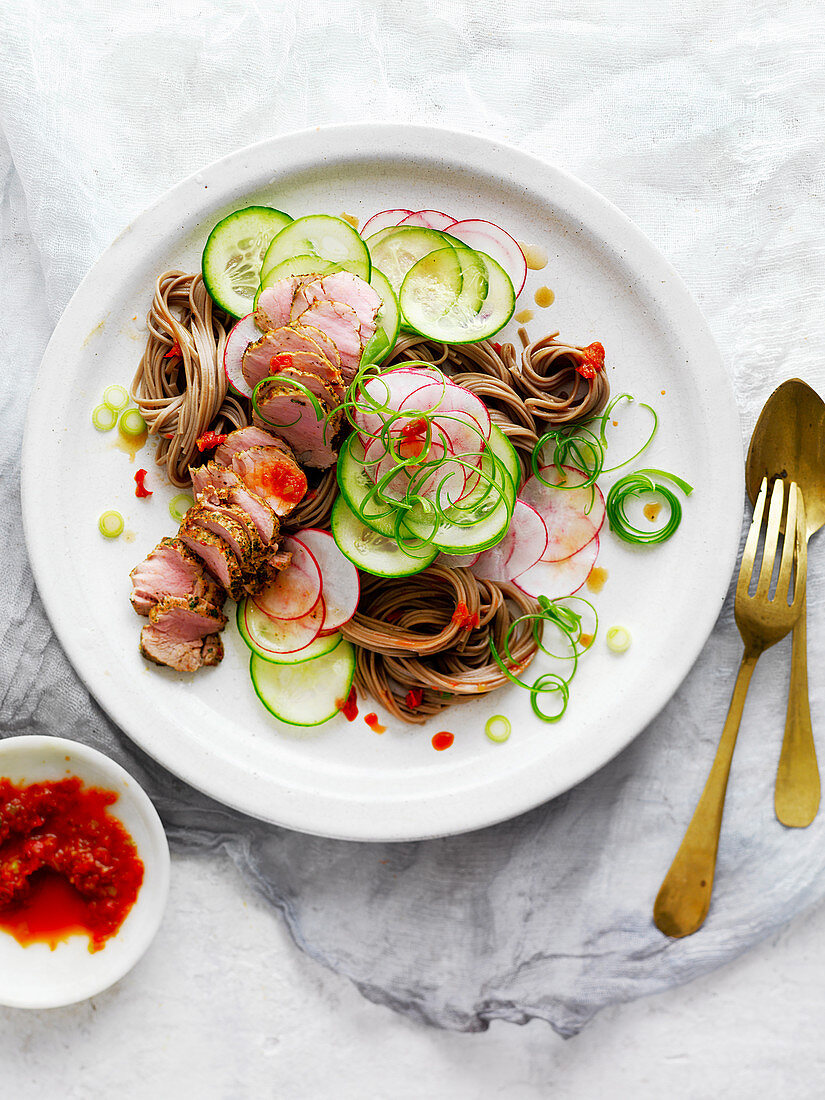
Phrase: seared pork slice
pixel 340 323
pixel 294 416
pixel 323 341
pixel 172 570
pixel 211 481
pixel 275 303
pixel 310 381
pixel 269 474
pixel 228 527
pixel 182 634
pixel 244 438
pixel 343 287
pixel 216 555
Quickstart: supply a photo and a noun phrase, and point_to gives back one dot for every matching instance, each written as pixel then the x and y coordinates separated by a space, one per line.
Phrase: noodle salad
pixel 402 506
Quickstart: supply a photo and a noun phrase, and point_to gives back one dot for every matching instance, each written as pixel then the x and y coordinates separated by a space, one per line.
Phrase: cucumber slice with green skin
pixel 388 320
pixel 463 324
pixel 234 253
pixel 308 693
pixel 323 236
pixel 255 628
pixel 355 483
pixel 373 552
pixel 295 265
pixel 398 248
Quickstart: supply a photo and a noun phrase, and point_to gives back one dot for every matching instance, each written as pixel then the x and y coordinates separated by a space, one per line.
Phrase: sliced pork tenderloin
pixel 340 323
pixel 341 287
pixel 275 303
pixel 213 483
pixel 182 634
pixel 323 341
pixel 216 555
pixel 295 416
pixel 244 438
pixel 269 474
pixel 172 570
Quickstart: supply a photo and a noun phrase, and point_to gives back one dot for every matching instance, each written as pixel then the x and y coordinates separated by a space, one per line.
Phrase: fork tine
pixel 752 542
pixel 771 539
pixel 789 547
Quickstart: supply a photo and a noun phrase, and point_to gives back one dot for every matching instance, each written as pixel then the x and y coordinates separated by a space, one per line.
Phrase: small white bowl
pixel 36 976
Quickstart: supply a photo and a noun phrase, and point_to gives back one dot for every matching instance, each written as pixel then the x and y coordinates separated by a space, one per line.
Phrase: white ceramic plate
pixel 341 779
pixel 37 977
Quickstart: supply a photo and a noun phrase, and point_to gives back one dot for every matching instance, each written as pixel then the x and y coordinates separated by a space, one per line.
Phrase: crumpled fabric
pixel 704 124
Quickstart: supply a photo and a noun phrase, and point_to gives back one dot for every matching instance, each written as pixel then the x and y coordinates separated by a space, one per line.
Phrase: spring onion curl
pixel 605 416
pixel 420 481
pixel 569 623
pixel 634 485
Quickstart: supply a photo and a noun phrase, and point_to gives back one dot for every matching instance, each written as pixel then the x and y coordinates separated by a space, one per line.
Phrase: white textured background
pixel 704 122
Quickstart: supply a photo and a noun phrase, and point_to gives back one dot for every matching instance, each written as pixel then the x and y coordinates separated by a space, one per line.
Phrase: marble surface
pixel 224 1006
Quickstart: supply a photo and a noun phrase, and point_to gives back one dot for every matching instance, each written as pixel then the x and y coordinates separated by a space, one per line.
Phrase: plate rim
pixel 387 140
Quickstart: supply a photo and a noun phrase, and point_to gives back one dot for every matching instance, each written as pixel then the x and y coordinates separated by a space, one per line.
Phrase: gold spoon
pixel 789 442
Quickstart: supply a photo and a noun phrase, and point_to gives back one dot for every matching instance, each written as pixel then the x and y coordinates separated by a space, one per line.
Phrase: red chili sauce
pixel 66 865
pixel 592 361
pixel 349 706
pixel 442 740
pixel 371 720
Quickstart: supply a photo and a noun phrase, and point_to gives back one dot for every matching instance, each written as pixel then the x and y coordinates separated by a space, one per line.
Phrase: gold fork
pixel 684 897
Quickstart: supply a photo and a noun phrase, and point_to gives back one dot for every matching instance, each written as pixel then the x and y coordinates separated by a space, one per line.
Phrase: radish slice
pixel 242 335
pixel 383 220
pixel 447 398
pixel 555 579
pixel 570 525
pixel 294 591
pixel 491 239
pixel 390 389
pixel 457 561
pixel 429 219
pixel 290 635
pixel 519 550
pixel 341 586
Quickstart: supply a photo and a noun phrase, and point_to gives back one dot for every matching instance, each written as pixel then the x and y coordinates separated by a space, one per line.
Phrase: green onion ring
pixel 104 418
pixel 110 524
pixel 116 397
pixel 132 423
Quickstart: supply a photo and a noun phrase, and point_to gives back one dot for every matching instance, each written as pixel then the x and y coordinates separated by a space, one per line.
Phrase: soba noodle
pixel 183 396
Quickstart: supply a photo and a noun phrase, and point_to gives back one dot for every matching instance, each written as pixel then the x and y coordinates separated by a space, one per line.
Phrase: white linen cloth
pixel 702 121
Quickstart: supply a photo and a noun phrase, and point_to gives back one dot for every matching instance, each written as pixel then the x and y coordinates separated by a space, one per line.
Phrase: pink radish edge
pixel 297 634
pixel 293 592
pixel 491 239
pixel 556 579
pixel 243 333
pixel 384 219
pixel 341 585
pixel 570 527
pixel 429 219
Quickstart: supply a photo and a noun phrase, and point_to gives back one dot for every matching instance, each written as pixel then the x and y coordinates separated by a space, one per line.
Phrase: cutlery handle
pixel 796 797
pixel 684 897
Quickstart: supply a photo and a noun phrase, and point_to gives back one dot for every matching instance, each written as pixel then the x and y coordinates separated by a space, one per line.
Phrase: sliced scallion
pixel 618 639
pixel 634 485
pixel 179 506
pixel 132 423
pixel 110 524
pixel 104 418
pixel 498 728
pixel 116 397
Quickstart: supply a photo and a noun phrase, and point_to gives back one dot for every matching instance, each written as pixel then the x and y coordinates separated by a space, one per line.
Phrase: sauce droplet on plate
pixel 349 706
pixel 371 720
pixel 544 297
pixel 652 510
pixel 442 740
pixel 350 219
pixel 534 254
pixel 524 315
pixel 598 575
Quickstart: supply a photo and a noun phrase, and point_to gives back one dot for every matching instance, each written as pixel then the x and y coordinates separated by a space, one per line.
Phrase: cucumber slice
pixel 372 551
pixel 322 236
pixel 233 255
pixel 308 693
pixel 388 320
pixel 465 322
pixel 398 248
pixel 255 627
pixel 355 483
